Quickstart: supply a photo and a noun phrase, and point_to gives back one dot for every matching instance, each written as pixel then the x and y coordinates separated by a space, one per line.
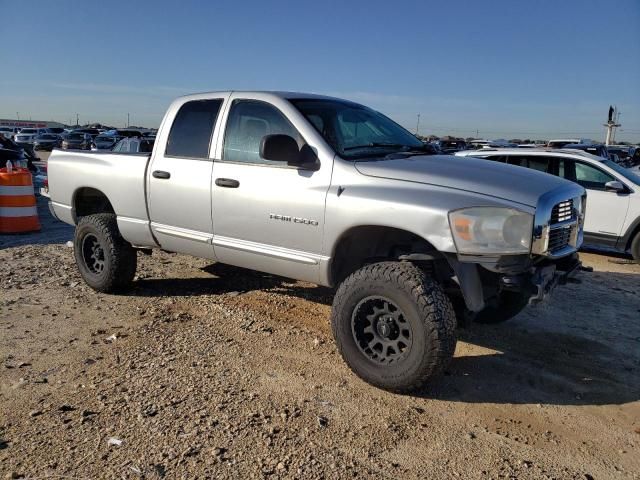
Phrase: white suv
pixel 613 192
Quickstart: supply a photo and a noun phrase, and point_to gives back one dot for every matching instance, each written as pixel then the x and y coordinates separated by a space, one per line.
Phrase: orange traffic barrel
pixel 18 211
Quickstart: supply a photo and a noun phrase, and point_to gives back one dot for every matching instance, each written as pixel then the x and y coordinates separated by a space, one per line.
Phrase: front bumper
pixel 481 283
pixel 546 278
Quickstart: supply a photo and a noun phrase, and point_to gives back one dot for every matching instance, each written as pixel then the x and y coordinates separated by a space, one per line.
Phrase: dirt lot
pixel 211 371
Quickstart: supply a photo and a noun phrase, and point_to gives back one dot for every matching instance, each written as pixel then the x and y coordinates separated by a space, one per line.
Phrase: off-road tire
pixel 507 306
pixel 425 307
pixel 119 257
pixel 635 247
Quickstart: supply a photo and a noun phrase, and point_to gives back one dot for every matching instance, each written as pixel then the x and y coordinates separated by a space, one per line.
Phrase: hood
pixel 486 177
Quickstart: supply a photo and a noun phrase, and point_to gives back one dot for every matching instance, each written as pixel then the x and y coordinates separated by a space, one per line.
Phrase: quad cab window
pixel 191 132
pixel 248 123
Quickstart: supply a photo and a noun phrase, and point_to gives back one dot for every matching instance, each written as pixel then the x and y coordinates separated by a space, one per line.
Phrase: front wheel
pixel 105 260
pixel 394 326
pixel 635 247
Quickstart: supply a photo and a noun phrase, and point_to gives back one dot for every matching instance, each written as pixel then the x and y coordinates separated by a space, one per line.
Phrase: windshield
pixel 76 136
pixel 626 173
pixel 47 137
pixel 355 131
pixel 28 130
pixel 101 138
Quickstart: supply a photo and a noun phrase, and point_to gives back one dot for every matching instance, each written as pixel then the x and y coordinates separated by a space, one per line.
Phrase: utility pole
pixel 18 115
pixel 128 120
pixel 418 125
pixel 612 124
pixel 77 121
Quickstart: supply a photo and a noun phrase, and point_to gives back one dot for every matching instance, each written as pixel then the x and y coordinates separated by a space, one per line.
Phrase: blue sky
pixel 507 69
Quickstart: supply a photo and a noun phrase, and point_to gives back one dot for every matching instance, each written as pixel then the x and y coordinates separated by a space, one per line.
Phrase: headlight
pixel 491 230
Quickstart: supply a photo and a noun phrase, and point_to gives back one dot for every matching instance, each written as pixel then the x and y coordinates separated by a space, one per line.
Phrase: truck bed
pixel 121 177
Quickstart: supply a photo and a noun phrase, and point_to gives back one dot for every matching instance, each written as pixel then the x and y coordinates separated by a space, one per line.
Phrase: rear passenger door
pixel 179 179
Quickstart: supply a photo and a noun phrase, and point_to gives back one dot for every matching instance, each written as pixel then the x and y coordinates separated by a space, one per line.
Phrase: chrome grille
pixel 562 212
pixel 560 233
pixel 559 238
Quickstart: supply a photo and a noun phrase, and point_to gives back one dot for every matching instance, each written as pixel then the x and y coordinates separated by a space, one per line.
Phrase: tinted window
pixel 249 121
pixel 591 177
pixel 496 158
pixel 192 128
pixel 538 163
pixel 529 161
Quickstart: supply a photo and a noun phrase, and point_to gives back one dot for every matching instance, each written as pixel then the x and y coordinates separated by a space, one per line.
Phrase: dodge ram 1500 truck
pixel 332 192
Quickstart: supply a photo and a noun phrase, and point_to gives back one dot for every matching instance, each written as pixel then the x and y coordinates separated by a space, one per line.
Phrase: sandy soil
pixel 204 370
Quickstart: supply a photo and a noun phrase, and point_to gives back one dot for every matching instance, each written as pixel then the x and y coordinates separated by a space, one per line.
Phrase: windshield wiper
pixel 377 145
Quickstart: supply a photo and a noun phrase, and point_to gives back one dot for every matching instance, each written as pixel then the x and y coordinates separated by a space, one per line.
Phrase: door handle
pixel 161 174
pixel 227 182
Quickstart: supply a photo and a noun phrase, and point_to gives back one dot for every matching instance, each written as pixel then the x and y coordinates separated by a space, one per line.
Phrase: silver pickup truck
pixel 329 191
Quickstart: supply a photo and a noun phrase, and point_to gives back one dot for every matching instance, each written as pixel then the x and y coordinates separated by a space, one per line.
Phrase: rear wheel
pixel 106 261
pixel 394 326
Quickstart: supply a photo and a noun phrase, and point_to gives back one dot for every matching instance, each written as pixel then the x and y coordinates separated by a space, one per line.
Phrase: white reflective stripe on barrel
pixel 11 190
pixel 18 211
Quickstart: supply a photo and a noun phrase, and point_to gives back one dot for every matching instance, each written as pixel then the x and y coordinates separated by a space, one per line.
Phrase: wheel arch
pixel 363 244
pixel 88 201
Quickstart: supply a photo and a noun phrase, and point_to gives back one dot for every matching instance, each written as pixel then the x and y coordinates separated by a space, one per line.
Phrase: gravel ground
pixel 205 370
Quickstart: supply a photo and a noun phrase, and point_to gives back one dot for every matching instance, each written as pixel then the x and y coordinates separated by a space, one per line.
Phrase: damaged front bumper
pixel 482 282
pixel 546 278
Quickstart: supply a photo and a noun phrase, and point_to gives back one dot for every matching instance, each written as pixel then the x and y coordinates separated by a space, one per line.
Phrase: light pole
pixel 418 125
pixel 77 121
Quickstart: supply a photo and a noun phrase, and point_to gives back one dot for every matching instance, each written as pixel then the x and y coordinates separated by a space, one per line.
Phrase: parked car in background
pixel 56 130
pixel 125 132
pixel 561 142
pixel 103 142
pixel 93 132
pixel 27 136
pixel 622 151
pixel 598 150
pixel 451 146
pixel 9 132
pixel 47 141
pixel 613 192
pixel 77 141
pixel 9 150
pixel 134 145
pixel 477 144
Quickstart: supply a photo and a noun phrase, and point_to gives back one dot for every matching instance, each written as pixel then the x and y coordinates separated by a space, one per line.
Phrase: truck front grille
pixel 561 233
pixel 562 212
pixel 559 238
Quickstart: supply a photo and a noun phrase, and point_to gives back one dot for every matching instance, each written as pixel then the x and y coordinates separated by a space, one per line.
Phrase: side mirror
pixel 279 148
pixel 614 186
pixel 283 148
